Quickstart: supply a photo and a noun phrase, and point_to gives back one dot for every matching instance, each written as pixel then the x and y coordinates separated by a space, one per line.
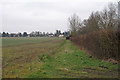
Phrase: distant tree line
pixel 35 34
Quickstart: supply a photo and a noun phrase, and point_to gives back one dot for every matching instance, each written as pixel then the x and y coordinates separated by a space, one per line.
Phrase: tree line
pixel 99 20
pixel 99 35
pixel 36 34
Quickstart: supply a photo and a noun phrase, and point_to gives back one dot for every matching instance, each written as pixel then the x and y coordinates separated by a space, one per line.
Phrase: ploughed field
pixel 50 57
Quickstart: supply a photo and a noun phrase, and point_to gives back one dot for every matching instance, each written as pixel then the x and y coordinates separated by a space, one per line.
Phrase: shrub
pixel 103 44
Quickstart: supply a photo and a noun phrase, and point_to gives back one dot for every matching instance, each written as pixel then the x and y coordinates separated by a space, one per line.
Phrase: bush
pixel 103 44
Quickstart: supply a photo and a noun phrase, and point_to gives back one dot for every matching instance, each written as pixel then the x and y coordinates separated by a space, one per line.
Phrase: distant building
pixel 29 35
pixel 61 36
pixel 14 35
pixel 50 35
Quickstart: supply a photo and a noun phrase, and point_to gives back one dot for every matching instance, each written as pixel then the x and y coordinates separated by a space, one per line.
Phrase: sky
pixel 44 15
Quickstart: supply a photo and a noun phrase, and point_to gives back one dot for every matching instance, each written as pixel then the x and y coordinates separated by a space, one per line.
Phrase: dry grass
pixel 21 59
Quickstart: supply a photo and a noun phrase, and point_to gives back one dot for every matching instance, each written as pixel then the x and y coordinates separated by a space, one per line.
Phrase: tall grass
pixel 103 44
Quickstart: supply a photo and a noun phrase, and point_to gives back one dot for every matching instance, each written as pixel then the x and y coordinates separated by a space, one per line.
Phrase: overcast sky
pixel 44 15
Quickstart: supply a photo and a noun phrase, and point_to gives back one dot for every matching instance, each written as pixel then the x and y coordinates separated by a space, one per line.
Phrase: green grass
pixel 71 62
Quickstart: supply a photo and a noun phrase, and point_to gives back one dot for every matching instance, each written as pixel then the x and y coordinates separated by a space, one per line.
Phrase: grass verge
pixel 70 62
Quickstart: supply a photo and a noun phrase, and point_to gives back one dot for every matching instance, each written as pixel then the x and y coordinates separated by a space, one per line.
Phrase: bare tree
pixel 93 22
pixel 108 17
pixel 74 23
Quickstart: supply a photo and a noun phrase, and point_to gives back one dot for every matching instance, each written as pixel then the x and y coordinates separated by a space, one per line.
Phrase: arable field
pixel 21 55
pixel 51 58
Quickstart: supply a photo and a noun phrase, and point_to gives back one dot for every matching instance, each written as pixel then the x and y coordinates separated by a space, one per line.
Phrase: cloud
pixel 45 15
